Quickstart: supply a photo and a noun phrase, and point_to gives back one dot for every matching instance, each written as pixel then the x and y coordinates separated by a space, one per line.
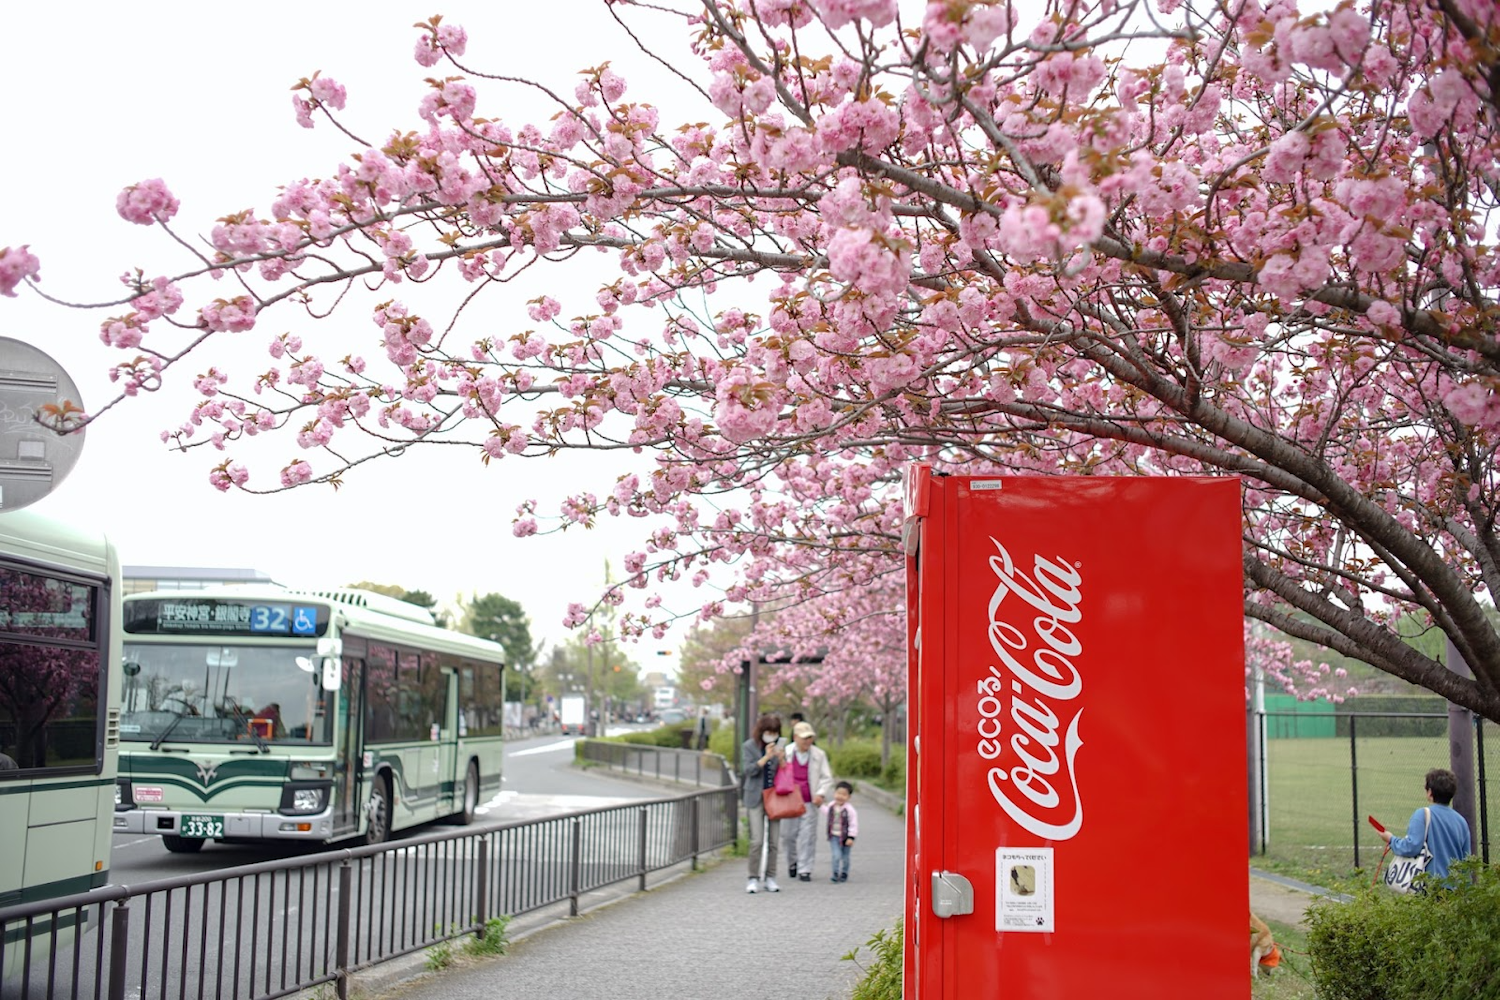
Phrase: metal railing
pixel 1325 772
pixel 645 760
pixel 268 930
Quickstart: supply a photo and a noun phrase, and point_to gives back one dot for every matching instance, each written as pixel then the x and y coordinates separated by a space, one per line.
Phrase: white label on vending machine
pixel 1024 889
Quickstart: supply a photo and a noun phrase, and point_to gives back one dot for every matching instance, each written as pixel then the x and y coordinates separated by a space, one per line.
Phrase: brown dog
pixel 1264 954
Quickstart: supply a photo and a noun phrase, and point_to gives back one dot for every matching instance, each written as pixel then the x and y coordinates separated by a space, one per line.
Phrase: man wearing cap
pixel 799 837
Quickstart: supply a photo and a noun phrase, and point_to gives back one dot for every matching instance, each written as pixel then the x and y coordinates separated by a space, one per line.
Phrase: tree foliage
pixel 497 617
pixel 1223 237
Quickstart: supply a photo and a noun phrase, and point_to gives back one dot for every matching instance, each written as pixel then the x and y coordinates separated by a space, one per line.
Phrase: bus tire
pixel 470 806
pixel 382 804
pixel 181 845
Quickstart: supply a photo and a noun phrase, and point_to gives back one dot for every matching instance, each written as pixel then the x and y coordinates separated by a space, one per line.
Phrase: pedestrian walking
pixel 841 823
pixel 702 728
pixel 760 756
pixel 814 778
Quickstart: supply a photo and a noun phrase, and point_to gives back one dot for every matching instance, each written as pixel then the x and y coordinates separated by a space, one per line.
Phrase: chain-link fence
pixel 1323 773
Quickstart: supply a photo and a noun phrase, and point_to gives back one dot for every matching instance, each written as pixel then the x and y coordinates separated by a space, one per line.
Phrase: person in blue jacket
pixel 1447 834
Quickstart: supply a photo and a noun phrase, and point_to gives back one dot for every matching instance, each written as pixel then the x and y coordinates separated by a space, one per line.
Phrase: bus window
pixel 481 699
pixel 381 699
pixel 217 692
pixel 49 673
pixel 434 692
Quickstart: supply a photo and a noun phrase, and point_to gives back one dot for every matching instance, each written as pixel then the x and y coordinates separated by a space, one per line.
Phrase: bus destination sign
pixel 219 616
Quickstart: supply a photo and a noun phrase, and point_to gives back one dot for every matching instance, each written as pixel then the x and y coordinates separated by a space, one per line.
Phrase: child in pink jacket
pixel 841 823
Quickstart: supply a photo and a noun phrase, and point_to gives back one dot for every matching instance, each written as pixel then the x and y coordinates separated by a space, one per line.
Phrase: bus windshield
pixel 217 693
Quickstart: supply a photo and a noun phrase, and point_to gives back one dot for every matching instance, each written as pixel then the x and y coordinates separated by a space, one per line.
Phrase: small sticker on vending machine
pixel 1024 889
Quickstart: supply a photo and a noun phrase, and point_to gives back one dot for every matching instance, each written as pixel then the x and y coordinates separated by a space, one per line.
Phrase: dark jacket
pixel 753 777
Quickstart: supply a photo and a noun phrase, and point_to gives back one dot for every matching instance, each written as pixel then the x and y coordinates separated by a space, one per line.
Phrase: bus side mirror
pixel 331 650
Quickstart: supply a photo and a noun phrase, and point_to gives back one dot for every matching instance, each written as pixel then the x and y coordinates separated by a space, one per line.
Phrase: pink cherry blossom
pixel 146 202
pixel 17 264
pixel 296 473
pixel 996 240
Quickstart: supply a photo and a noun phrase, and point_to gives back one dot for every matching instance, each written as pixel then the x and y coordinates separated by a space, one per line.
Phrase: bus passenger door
pixel 450 798
pixel 348 767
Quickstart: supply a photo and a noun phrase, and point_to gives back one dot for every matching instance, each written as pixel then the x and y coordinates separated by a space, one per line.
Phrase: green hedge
pixel 721 742
pixel 1394 727
pixel 1385 946
pixel 861 759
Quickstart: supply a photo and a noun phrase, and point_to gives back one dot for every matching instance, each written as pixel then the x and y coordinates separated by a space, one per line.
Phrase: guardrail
pixel 267 930
pixel 645 760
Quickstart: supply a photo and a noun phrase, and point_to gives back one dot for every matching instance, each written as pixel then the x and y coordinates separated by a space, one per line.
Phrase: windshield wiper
pixel 261 746
pixel 156 744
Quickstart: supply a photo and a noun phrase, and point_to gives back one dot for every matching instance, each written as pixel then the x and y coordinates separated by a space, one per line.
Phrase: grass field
pixel 1314 819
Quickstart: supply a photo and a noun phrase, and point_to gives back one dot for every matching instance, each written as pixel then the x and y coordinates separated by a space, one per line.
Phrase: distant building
pixel 138 579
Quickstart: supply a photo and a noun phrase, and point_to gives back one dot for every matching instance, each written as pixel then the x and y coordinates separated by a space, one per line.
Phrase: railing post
pixel 482 885
pixel 643 848
pixel 696 800
pixel 1354 787
pixel 574 867
pixel 119 946
pixel 341 949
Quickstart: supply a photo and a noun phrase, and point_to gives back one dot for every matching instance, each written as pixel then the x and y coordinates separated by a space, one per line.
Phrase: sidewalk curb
pixel 1291 883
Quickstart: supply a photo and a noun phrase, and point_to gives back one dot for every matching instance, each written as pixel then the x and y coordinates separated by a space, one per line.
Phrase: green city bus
pixel 259 713
pixel 59 719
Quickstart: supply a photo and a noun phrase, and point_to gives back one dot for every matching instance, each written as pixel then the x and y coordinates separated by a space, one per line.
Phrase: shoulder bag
pixel 783 800
pixel 1400 872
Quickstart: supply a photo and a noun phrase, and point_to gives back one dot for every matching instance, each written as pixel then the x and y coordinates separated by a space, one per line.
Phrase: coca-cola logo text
pixel 1038 681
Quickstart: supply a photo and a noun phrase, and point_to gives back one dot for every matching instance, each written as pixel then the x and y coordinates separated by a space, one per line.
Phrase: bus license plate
pixel 201 827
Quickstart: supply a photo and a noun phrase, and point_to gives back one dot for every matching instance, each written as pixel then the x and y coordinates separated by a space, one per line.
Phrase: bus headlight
pixel 303 798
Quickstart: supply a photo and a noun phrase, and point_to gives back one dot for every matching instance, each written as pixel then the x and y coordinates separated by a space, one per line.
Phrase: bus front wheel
pixel 378 829
pixel 181 845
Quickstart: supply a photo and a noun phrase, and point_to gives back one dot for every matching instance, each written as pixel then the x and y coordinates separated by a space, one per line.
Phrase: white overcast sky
pixel 199 95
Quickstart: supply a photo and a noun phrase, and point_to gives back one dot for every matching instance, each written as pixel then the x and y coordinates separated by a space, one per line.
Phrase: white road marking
pixel 549 748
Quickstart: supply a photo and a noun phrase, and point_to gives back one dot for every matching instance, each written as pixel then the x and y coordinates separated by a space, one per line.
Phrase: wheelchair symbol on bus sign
pixel 304 621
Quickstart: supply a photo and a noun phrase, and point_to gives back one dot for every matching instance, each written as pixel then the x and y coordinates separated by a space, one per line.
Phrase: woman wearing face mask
pixel 760 755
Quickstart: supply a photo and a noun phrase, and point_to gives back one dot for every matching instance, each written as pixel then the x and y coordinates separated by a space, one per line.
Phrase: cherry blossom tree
pixel 1225 237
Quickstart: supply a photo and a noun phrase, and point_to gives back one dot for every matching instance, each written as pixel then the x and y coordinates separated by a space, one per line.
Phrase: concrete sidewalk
pixel 1276 897
pixel 703 936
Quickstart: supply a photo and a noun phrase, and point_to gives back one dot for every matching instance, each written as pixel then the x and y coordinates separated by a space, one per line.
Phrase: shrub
pixel 893 775
pixel 1385 946
pixel 856 759
pixel 721 742
pixel 882 978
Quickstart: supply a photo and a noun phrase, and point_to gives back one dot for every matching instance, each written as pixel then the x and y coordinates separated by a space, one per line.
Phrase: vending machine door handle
pixel 952 895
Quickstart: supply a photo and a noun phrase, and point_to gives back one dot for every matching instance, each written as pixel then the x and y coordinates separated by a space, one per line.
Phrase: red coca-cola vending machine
pixel 1077 749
